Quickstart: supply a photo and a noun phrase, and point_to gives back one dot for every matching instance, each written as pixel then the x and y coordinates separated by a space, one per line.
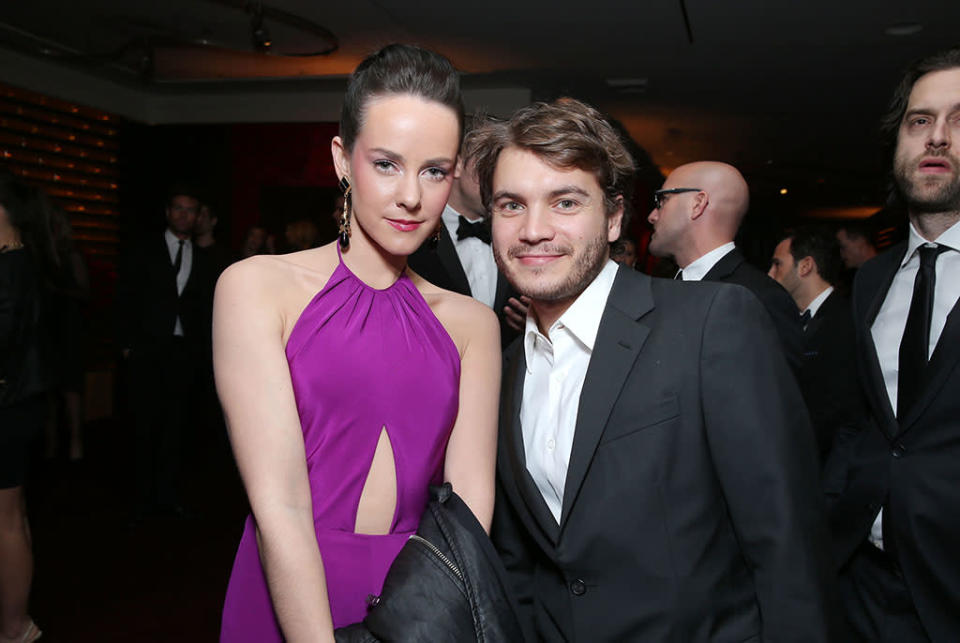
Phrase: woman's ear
pixel 341 158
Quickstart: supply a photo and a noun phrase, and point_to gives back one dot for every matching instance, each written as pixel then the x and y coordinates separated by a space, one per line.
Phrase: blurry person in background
pixel 856 246
pixel 203 236
pixel 256 242
pixel 624 252
pixel 28 261
pixel 165 302
pixel 70 293
pixel 301 234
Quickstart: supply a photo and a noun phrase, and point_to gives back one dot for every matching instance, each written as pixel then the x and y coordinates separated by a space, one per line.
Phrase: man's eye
pixel 566 204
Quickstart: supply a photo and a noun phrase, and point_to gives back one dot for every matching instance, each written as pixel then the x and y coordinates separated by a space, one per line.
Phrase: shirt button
pixel 898 451
pixel 551 444
pixel 578 588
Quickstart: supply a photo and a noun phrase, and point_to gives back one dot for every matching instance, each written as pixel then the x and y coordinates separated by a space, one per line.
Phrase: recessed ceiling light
pixel 903 29
pixel 783 190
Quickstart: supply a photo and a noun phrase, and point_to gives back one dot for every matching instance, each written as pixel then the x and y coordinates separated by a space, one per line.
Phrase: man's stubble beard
pixel 585 269
pixel 944 199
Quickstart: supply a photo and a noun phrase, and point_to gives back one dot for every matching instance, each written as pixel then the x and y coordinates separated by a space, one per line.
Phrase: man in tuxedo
pixel 655 459
pixel 807 264
pixel 461 259
pixel 695 218
pixel 895 489
pixel 165 299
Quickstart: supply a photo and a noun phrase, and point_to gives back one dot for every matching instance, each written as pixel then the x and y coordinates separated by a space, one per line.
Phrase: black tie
pixel 915 345
pixel 179 260
pixel 480 230
pixel 805 318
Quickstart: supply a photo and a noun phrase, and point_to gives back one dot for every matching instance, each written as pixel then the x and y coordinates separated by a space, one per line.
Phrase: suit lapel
pixel 723 268
pixel 825 311
pixel 945 357
pixel 450 260
pixel 618 343
pixel 513 466
pixel 876 388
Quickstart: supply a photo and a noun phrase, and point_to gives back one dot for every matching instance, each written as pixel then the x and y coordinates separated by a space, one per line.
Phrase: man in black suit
pixel 655 457
pixel 461 259
pixel 895 492
pixel 695 218
pixel 807 264
pixel 165 299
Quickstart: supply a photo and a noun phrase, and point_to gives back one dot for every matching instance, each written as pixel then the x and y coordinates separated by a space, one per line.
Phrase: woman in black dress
pixel 27 262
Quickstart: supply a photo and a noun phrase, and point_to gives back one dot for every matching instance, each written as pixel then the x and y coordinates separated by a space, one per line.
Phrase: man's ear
pixel 458 169
pixel 700 202
pixel 806 266
pixel 615 220
pixel 341 158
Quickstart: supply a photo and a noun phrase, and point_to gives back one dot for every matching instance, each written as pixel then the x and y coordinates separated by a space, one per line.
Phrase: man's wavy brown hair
pixel 565 134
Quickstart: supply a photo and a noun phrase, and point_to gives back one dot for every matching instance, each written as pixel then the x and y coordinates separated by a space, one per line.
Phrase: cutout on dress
pixel 378 500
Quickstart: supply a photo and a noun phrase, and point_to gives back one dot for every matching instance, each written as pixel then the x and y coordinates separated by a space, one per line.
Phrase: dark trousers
pixel 163 376
pixel 877 600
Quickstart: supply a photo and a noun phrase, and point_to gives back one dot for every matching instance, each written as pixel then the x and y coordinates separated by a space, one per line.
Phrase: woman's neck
pixel 371 263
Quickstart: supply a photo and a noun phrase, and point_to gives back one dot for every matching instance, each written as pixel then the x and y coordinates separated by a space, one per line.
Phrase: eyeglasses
pixel 660 195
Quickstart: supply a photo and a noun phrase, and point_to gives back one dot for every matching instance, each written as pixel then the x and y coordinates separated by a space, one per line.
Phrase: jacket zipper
pixel 439 554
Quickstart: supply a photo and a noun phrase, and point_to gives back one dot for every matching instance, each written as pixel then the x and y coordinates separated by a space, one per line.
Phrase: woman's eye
pixel 437 173
pixel 383 166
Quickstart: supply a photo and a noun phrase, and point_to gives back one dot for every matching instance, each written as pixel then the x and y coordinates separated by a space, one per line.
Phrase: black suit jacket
pixel 910 467
pixel 828 375
pixel 689 509
pixel 147 299
pixel 439 263
pixel 734 269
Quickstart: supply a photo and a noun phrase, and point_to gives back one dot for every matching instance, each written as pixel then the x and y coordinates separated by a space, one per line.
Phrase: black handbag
pixel 447 584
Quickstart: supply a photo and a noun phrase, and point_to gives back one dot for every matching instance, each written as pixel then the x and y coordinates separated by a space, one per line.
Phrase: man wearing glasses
pixel 695 218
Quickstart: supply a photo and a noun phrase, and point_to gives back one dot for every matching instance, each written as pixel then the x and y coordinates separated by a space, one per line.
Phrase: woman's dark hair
pixel 398 69
pixel 29 212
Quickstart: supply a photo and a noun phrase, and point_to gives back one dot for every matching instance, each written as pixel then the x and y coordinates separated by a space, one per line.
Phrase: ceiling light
pixel 903 29
pixel 783 190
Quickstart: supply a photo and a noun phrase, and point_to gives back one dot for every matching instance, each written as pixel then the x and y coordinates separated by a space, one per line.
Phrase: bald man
pixel 695 218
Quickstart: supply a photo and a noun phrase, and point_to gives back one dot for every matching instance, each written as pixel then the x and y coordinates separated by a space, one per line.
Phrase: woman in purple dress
pixel 349 383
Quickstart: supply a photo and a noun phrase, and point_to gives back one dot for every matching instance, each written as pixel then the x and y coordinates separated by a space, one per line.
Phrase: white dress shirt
pixel 476 257
pixel 556 368
pixel 817 302
pixel 888 327
pixel 186 263
pixel 698 268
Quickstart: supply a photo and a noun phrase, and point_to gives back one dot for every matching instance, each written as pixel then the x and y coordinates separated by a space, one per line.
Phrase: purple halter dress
pixel 361 361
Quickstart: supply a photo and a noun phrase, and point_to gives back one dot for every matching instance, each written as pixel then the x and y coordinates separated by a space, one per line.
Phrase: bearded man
pixel 894 489
pixel 655 458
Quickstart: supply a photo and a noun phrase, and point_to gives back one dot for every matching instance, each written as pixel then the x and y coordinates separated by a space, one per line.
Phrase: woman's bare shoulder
pixel 463 317
pixel 278 278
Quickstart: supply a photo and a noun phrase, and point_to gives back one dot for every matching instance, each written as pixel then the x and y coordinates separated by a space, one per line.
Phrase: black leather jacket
pixel 447 584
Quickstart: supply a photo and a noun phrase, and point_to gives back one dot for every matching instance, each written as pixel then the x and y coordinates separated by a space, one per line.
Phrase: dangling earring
pixel 345 217
pixel 435 237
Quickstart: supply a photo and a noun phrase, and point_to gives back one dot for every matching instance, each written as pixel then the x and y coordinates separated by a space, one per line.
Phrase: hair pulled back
pixel 398 69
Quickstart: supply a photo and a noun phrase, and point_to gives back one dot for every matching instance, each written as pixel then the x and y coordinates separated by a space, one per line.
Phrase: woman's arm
pixel 472 450
pixel 253 381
